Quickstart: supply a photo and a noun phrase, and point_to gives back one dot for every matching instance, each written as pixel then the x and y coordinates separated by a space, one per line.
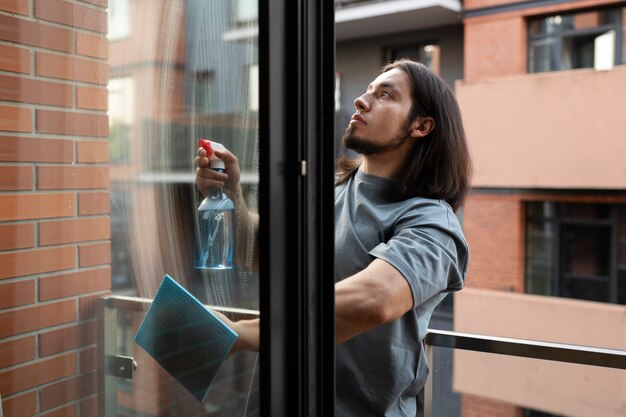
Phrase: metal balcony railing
pixel 344 3
pixel 111 361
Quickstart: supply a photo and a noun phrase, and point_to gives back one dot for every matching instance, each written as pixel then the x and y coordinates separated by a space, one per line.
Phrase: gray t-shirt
pixel 380 372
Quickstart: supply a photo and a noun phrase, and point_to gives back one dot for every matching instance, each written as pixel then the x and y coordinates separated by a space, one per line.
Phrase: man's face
pixel 381 120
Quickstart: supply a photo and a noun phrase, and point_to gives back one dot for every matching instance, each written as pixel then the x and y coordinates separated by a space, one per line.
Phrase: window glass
pixel 622 286
pixel 623 31
pixel 539 257
pixel 569 250
pixel 584 211
pixel 428 54
pixel 586 250
pixel 119 19
pixel 181 80
pixel 543 55
pixel 622 236
pixel 570 41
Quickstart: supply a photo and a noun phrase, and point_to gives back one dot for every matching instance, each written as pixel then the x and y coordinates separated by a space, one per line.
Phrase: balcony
pixel 361 19
pixel 475 361
pixel 558 388
pixel 551 130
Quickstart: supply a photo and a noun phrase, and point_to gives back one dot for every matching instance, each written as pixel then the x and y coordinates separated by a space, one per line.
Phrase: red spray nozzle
pixel 206 145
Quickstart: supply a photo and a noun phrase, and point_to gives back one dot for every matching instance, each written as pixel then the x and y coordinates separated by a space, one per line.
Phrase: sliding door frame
pixel 296 64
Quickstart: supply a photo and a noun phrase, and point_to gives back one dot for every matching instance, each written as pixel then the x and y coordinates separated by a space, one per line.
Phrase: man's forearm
pixel 247 234
pixel 375 296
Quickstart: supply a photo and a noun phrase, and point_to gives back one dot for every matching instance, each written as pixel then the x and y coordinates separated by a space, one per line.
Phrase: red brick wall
pixel 494 228
pixel 472 406
pixel 54 206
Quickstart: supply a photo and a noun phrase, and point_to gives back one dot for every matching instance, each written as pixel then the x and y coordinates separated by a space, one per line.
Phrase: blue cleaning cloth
pixel 184 337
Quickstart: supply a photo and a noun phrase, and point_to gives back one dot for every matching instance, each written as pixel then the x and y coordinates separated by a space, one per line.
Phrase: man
pixel 398 245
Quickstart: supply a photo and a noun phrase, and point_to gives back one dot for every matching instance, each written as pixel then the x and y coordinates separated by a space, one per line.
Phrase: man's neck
pixel 385 165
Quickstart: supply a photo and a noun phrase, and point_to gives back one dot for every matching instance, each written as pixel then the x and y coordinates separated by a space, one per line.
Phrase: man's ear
pixel 422 126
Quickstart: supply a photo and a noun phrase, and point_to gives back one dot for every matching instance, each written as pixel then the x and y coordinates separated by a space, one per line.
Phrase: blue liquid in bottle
pixel 216 235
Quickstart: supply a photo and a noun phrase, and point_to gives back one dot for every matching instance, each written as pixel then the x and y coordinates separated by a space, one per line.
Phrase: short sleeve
pixel 429 250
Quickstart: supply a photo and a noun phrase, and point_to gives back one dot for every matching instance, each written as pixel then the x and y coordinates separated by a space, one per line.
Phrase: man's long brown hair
pixel 438 165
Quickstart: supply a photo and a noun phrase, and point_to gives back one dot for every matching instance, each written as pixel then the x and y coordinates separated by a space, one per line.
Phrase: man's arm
pixel 375 296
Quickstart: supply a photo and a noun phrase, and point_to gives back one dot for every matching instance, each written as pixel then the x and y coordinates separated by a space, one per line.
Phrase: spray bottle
pixel 215 238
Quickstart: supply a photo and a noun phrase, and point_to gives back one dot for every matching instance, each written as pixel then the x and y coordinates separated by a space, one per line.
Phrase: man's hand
pixel 247 333
pixel 207 178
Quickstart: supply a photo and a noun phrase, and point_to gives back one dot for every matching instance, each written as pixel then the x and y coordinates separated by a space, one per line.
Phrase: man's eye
pixel 385 94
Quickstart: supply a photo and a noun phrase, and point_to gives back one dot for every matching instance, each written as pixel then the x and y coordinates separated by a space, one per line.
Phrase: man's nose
pixel 361 103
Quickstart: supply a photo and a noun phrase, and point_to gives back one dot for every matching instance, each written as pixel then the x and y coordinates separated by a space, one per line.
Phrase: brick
pixel 15 6
pixel 26 32
pixel 97 254
pixel 92 98
pixel 36 206
pixel 69 68
pixel 17 236
pixel 88 306
pixel 75 230
pixel 20 406
pixel 95 46
pixel 14 294
pixel 69 411
pixel 20 149
pixel 89 406
pixel 15 119
pixel 38 317
pixel 31 262
pixel 69 123
pixel 88 360
pixel 14 59
pixel 71 14
pixel 17 351
pixel 75 283
pixel 94 203
pixel 39 373
pixel 66 391
pixel 24 90
pixel 72 178
pixel 92 151
pixel 16 177
pixel 102 3
pixel 68 338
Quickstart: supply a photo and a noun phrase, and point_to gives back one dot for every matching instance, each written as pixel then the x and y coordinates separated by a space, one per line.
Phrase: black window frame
pixel 296 189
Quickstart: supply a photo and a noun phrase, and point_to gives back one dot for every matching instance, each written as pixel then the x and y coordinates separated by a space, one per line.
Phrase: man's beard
pixel 366 146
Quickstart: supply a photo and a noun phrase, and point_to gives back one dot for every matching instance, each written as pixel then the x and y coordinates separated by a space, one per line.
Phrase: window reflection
pixel 178 76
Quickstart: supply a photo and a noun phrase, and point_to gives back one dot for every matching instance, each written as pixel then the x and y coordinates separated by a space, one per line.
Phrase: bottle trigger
pixel 206 145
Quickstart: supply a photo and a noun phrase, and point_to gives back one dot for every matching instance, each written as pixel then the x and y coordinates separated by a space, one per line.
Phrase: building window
pixel 623 40
pixel 119 24
pixel 253 88
pixel 428 53
pixel 576 251
pixel 580 40
pixel 203 91
pixel 245 10
pixel 121 118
